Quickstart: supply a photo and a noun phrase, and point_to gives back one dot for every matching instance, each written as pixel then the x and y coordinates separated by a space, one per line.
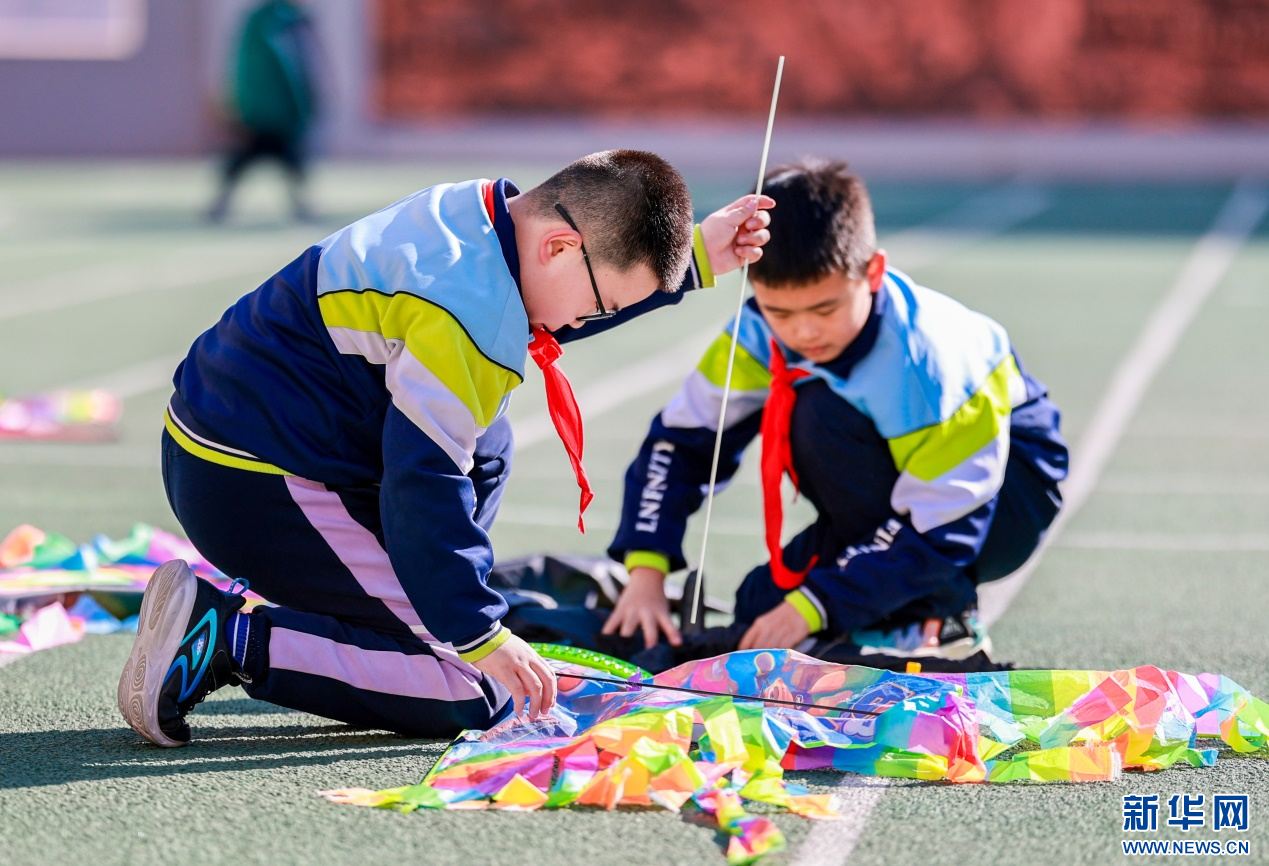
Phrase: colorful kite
pixel 70 415
pixel 612 741
pixel 53 591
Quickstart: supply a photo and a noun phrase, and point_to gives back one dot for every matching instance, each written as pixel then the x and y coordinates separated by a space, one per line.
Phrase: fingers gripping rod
pixel 696 620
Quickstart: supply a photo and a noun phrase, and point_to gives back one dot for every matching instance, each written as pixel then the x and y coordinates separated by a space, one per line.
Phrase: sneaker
pixel 955 638
pixel 181 654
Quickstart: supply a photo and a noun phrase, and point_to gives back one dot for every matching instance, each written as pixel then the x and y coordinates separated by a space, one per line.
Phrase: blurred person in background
pixel 272 99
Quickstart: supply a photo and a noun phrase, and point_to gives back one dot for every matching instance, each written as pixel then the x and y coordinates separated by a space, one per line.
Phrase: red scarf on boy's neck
pixel 562 405
pixel 777 458
pixel 560 401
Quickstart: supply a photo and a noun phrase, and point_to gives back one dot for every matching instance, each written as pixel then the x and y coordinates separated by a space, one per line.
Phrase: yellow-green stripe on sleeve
pixel 648 559
pixel 809 611
pixel 433 337
pixel 487 647
pixel 932 451
pixel 749 374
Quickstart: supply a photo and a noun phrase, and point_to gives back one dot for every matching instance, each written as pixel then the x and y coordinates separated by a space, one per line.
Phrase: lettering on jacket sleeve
pixel 654 489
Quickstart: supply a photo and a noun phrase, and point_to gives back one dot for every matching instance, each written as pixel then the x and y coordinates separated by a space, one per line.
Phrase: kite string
pixel 731 363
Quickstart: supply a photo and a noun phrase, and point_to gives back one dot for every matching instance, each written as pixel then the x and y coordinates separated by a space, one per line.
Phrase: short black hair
pixel 822 224
pixel 632 208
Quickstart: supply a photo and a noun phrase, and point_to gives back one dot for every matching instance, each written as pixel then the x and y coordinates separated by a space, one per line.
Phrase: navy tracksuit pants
pixel 847 472
pixel 339 642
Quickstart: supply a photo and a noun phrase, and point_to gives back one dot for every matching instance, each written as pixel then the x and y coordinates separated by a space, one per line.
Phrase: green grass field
pixel 107 274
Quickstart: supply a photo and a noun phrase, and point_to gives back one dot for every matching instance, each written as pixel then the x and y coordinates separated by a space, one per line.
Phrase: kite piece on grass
pixel 48 627
pixel 67 415
pixel 42 573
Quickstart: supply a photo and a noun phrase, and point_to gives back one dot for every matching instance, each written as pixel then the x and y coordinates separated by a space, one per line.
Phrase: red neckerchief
pixel 560 401
pixel 777 458
pixel 562 405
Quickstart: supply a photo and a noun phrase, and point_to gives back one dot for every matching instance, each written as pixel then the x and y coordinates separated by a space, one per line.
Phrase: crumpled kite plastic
pixel 102 582
pixel 629 744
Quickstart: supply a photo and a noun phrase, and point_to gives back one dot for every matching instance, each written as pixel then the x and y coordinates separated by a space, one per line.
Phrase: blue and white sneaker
pixel 181 653
pixel 954 638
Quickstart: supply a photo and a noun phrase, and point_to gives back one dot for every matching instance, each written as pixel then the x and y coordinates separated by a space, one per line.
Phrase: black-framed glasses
pixel 602 311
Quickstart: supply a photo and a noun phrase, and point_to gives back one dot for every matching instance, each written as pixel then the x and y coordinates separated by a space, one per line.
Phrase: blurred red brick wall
pixel 992 58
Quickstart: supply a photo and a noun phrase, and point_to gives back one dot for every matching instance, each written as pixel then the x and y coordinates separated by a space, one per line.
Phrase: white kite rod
pixel 731 359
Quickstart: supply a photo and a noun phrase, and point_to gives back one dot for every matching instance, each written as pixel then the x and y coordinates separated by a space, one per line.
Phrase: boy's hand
pixel 524 673
pixel 780 628
pixel 735 234
pixel 643 603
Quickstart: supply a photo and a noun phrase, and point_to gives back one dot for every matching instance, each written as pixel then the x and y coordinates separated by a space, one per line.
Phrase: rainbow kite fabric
pixel 68 415
pixel 629 744
pixel 53 591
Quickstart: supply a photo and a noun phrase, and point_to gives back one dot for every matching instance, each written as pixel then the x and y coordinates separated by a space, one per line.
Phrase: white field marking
pixel 566 519
pixel 97 455
pixel 975 220
pixel 1207 542
pixel 126 383
pixel 61 291
pixel 10 658
pixel 137 379
pixel 1185 484
pixel 855 797
pixel 1203 270
pixel 1207 427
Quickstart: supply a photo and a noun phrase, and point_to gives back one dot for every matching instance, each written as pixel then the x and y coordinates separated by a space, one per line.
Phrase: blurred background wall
pixel 399 75
pixel 980 58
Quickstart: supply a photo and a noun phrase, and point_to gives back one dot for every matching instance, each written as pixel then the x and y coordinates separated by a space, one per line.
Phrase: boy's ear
pixel 556 241
pixel 876 270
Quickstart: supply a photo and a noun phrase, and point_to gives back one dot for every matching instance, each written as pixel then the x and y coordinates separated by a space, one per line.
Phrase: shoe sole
pixel 165 611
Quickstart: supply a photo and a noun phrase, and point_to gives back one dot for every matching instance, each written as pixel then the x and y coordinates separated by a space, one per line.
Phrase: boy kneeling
pixel 339 439
pixel 932 458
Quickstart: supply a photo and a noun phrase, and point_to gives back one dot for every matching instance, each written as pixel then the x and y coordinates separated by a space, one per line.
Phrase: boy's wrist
pixel 805 604
pixel 647 559
pixel 485 648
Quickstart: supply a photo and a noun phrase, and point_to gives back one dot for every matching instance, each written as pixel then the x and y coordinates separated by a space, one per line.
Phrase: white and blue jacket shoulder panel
pixel 422 288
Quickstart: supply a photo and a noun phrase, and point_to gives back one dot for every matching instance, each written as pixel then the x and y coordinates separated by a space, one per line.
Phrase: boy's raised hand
pixel 643 604
pixel 523 672
pixel 735 234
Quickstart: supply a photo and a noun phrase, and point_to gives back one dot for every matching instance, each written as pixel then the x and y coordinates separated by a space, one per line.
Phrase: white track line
pixel 105 282
pixel 1202 271
pixel 833 841
pixel 560 518
pixel 1185 484
pixel 1205 542
pixel 94 454
pixel 126 383
pixel 137 379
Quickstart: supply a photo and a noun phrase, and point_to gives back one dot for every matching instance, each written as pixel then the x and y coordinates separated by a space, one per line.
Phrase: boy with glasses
pixel 932 458
pixel 339 440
